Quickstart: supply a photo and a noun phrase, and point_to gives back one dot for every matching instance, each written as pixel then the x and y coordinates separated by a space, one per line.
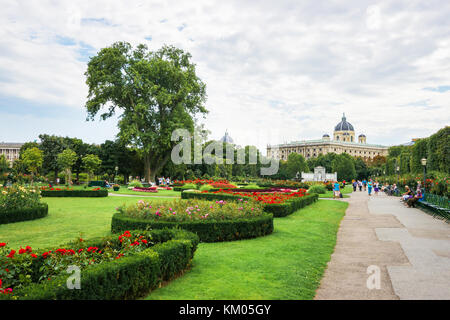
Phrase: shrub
pixel 24 214
pixel 95 193
pixel 18 197
pixel 135 183
pixel 188 186
pixel 207 230
pixel 279 209
pixel 212 221
pixel 206 187
pixel 317 189
pixel 128 275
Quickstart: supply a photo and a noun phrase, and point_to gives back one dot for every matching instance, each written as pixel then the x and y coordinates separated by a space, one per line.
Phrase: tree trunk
pixel 147 168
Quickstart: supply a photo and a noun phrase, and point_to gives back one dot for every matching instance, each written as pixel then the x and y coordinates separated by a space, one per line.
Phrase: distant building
pixel 344 141
pixel 226 138
pixel 10 150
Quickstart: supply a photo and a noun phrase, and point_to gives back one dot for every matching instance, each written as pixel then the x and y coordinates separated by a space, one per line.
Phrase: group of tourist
pixel 163 181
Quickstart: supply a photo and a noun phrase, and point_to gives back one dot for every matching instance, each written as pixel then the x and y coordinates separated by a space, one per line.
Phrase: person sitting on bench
pixel 412 201
pixel 408 194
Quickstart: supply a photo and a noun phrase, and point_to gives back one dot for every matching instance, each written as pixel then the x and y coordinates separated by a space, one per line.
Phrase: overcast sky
pixel 275 71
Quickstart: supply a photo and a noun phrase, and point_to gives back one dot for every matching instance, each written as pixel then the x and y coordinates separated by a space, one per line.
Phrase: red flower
pixel 33 255
pixel 2 244
pixel 11 254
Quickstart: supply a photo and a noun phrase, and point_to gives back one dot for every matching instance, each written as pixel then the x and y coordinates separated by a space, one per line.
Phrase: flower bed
pixel 69 192
pixel 18 203
pixel 212 221
pixel 122 266
pixel 144 189
pixel 279 204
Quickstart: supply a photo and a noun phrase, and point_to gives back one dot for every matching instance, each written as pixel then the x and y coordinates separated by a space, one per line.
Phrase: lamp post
pixel 115 177
pixel 424 164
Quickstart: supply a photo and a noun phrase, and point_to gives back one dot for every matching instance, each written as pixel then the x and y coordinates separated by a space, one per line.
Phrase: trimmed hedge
pixel 207 230
pixel 129 277
pixel 75 193
pixel 277 209
pixel 24 214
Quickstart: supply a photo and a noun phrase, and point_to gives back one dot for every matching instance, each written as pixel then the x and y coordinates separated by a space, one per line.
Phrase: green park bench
pixel 101 184
pixel 439 205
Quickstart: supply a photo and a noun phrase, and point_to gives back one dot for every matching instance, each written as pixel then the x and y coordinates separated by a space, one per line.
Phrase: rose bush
pixel 17 197
pixel 23 267
pixel 192 210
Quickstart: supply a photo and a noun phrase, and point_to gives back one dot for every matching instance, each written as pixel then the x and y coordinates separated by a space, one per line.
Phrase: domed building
pixel 344 141
pixel 226 138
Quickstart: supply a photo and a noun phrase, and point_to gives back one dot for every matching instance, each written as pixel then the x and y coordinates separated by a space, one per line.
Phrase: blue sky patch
pixel 438 89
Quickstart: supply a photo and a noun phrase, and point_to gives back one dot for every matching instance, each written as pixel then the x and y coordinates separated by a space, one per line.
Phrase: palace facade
pixel 10 151
pixel 344 141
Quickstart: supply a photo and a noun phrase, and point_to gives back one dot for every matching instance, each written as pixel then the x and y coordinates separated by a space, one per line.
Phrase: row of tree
pixel 436 149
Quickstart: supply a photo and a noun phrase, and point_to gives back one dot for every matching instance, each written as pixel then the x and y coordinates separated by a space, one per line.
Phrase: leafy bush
pixel 18 197
pixel 188 186
pixel 16 215
pixel 207 230
pixel 317 189
pixel 206 187
pixel 95 193
pixel 135 183
pixel 277 208
pixel 192 210
pixel 123 267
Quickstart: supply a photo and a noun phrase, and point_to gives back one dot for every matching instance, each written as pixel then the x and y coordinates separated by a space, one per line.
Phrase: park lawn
pixel 287 264
pixel 67 217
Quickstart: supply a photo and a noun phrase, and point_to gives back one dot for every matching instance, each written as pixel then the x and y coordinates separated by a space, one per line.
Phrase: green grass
pixel 67 217
pixel 288 264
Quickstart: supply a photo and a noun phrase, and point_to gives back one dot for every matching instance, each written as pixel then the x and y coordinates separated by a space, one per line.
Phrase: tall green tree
pixel 91 163
pixel 66 160
pixel 4 169
pixel 296 163
pixel 156 92
pixel 51 146
pixel 33 158
pixel 344 165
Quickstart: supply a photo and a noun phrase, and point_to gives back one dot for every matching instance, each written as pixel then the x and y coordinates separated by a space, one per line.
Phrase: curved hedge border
pixel 277 209
pixel 207 230
pixel 130 277
pixel 75 193
pixel 24 214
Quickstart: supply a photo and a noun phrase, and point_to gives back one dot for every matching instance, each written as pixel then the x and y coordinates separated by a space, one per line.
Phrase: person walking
pixel 360 185
pixel 376 187
pixel 369 187
pixel 364 182
pixel 355 184
pixel 336 190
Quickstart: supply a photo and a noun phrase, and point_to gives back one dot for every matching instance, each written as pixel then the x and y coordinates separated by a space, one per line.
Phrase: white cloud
pixel 288 67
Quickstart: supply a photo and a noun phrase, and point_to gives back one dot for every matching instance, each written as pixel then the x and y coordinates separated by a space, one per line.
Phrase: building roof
pixel 226 138
pixel 326 142
pixel 344 125
pixel 12 145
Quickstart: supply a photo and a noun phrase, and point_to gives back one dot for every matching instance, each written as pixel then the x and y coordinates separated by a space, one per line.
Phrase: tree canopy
pixel 156 92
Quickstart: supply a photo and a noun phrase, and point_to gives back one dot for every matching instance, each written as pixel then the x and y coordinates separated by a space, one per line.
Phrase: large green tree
pixel 296 163
pixel 91 163
pixel 32 159
pixel 66 160
pixel 156 92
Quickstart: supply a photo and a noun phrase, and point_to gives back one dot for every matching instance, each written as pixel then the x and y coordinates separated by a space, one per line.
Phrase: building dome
pixel 344 125
pixel 226 138
pixel 325 135
pixel 362 135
